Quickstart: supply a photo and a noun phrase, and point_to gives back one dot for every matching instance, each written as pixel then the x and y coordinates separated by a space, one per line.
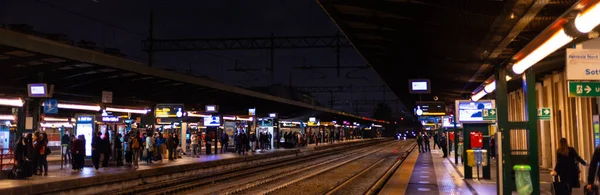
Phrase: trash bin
pixel 484 158
pixel 471 158
pixel 460 149
pixel 523 179
pixel 478 157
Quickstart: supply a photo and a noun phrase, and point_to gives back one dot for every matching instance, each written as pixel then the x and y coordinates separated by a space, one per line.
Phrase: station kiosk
pixel 475 135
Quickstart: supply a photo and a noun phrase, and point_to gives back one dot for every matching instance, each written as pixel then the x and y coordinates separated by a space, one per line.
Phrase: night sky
pixel 122 24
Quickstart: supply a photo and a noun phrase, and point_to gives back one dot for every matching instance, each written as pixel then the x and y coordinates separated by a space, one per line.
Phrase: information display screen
pixel 212 121
pixel 168 111
pixel 37 90
pixel 434 108
pixel 469 111
pixel 419 86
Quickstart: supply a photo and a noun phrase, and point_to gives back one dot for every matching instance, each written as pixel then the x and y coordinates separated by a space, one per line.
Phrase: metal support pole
pixel 338 53
pixel 532 133
pixel 36 114
pixel 21 116
pixel 455 141
pixel 151 39
pixel 272 53
pixel 503 169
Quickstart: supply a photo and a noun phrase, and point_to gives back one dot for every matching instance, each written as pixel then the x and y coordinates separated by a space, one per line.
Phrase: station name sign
pixel 583 64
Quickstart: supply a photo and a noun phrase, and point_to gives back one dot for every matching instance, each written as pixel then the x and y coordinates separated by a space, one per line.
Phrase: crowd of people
pixel 31 150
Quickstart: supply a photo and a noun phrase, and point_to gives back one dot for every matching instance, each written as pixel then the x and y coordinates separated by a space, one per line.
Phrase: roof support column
pixel 532 128
pixel 503 170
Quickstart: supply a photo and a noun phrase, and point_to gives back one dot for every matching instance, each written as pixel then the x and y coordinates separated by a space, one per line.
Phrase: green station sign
pixel 544 113
pixel 489 114
pixel 584 89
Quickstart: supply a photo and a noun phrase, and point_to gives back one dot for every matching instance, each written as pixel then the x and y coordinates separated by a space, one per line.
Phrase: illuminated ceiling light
pixel 587 20
pixel 56 119
pixel 11 102
pixel 478 96
pixel 79 107
pixel 489 88
pixel 558 40
pixel 247 119
pixel 229 118
pixel 127 110
pixel 508 78
pixel 192 114
pixel 7 117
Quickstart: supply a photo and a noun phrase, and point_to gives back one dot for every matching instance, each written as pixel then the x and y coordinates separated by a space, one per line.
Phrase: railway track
pixel 183 185
pixel 355 176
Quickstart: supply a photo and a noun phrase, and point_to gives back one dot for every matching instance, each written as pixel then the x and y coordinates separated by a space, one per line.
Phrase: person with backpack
pixel 135 143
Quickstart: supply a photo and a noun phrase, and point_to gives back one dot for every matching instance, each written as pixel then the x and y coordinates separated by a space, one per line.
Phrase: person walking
pixel 566 165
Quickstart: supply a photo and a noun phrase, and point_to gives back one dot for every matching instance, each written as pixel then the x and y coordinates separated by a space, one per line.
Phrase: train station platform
pixel 429 173
pixel 426 174
pixel 489 186
pixel 67 181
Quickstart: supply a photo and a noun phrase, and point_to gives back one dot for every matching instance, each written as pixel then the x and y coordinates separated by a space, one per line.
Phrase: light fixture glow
pixel 11 102
pixel 56 119
pixel 7 117
pixel 478 96
pixel 587 20
pixel 192 114
pixel 508 78
pixel 79 107
pixel 229 118
pixel 127 110
pixel 489 88
pixel 55 125
pixel 558 40
pixel 244 119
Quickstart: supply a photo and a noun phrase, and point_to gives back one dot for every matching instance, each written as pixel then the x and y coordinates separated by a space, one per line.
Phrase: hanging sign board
pixel 107 97
pixel 583 64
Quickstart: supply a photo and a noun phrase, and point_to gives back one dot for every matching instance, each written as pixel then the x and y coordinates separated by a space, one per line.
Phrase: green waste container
pixel 460 149
pixel 523 179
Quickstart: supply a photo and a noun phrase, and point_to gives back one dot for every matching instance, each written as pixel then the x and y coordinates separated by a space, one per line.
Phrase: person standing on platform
pixel 436 140
pixel 426 143
pixel 420 142
pixel 119 150
pixel 136 144
pixel 105 150
pixel 65 142
pixel 150 143
pixel 224 142
pixel 96 150
pixel 194 142
pixel 442 143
